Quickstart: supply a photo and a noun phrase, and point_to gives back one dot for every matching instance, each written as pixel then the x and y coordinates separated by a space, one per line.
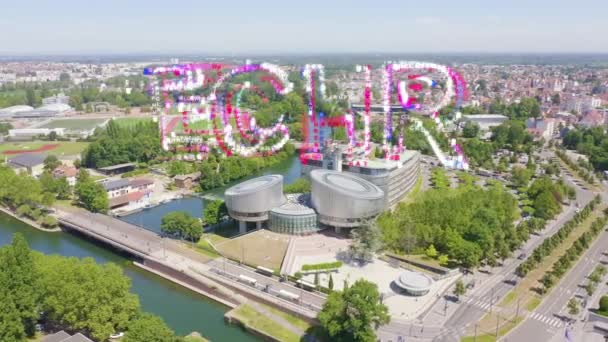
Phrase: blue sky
pixel 314 26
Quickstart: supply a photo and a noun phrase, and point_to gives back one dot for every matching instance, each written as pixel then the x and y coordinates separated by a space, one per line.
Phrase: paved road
pixel 549 319
pixel 493 289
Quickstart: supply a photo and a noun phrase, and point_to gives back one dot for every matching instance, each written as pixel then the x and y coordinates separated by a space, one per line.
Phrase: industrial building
pixel 337 200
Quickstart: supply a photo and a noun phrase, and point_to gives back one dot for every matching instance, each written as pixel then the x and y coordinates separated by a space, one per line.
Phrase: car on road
pixel 522 256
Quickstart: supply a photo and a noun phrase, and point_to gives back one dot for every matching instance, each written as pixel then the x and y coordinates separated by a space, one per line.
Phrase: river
pixel 150 218
pixel 183 310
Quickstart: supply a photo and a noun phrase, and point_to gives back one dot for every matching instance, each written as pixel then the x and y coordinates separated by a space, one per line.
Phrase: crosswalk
pixel 478 303
pixel 552 321
pixel 484 305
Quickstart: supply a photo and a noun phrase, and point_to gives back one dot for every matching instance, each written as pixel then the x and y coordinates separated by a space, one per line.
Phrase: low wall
pixel 189 282
pixel 230 317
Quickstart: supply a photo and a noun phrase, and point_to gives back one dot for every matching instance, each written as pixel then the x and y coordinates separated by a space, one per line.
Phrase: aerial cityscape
pixel 348 171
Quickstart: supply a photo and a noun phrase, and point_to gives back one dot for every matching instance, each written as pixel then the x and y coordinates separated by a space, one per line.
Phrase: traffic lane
pixel 532 330
pixel 576 276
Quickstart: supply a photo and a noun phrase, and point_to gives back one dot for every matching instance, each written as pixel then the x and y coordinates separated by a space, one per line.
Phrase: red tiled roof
pixel 128 198
pixel 65 171
pixel 141 181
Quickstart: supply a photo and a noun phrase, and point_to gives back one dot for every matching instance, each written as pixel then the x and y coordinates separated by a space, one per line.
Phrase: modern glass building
pixel 295 217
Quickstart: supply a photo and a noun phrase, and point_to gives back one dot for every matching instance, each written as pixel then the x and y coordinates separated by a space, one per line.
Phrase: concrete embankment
pixel 205 287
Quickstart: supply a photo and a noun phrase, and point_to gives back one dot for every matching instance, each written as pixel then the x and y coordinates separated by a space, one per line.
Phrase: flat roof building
pixel 485 121
pixel 251 200
pixel 343 200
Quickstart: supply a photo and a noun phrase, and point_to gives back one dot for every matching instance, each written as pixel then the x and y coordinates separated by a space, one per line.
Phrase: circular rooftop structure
pixel 252 199
pixel 343 199
pixel 414 283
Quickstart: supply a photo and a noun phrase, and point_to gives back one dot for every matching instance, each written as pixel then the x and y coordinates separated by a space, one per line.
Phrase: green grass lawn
pixel 74 124
pixel 250 317
pixel 131 122
pixel 64 148
pixel 202 124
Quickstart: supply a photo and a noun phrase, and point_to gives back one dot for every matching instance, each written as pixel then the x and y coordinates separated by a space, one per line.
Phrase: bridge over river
pixel 170 258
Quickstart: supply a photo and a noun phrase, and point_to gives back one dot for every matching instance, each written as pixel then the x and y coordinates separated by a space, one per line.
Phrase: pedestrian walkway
pixel 552 321
pixel 478 303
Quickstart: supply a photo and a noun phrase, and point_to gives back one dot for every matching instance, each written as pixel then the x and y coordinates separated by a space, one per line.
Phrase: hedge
pixel 322 266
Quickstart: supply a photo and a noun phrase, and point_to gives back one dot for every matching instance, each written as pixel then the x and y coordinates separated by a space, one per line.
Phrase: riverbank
pixel 28 221
pixel 202 289
pixel 268 323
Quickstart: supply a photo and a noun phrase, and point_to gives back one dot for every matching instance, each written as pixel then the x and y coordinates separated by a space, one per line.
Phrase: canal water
pixel 151 218
pixel 183 310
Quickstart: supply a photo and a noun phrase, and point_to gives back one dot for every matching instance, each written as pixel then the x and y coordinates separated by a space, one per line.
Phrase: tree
pixel 459 289
pixel 431 252
pixel 51 163
pixel 19 291
pixel 214 212
pixel 148 328
pixel 64 77
pixel 470 129
pixel 366 241
pixel 31 98
pixel 354 313
pixel 177 168
pixel 520 176
pixel 604 304
pixel 443 260
pixel 330 284
pixel 300 185
pixel 84 295
pixel 91 195
pixel 5 127
pixel 181 225
pixel 573 307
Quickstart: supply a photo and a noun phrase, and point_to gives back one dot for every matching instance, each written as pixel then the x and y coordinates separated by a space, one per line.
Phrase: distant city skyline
pixel 286 27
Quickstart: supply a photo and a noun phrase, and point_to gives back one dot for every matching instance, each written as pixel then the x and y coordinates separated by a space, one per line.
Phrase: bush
pixel 604 303
pixel 49 221
pixel 322 266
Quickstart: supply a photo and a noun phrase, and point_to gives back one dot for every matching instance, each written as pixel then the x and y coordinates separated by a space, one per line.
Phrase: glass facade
pixel 293 224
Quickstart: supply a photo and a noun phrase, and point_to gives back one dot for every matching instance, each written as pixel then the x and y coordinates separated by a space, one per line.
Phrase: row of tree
pixel 70 294
pixel 563 264
pixel 549 244
pixel 580 171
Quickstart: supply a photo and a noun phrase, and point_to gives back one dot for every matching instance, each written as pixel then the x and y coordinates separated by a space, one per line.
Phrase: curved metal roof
pixel 347 184
pixel 254 185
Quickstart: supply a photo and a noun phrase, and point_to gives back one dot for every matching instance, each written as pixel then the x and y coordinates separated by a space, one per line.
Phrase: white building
pixel 31 132
pixel 59 98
